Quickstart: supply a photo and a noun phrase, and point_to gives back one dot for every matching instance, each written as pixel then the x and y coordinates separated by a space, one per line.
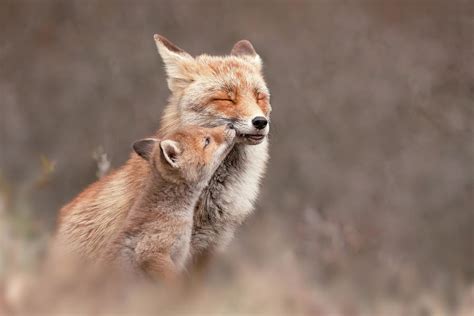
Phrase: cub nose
pixel 259 122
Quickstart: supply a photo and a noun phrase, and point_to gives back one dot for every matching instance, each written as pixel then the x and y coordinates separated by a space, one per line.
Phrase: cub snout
pixel 230 133
pixel 224 133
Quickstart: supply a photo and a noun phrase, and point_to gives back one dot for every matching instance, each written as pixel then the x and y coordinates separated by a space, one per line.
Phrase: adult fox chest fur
pixel 208 91
pixel 228 198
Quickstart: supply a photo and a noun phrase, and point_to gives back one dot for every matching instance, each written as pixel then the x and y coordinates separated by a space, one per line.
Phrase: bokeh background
pixel 367 206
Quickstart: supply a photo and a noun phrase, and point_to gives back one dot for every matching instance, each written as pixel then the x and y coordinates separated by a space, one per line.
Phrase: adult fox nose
pixel 259 122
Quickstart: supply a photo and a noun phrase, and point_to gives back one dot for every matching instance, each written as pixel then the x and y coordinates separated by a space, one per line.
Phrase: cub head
pixel 190 154
pixel 213 90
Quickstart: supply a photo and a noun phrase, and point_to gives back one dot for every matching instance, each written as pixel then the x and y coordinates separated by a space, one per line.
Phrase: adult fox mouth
pixel 252 138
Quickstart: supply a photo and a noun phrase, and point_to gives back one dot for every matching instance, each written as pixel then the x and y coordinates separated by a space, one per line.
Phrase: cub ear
pixel 170 150
pixel 144 147
pixel 245 50
pixel 176 62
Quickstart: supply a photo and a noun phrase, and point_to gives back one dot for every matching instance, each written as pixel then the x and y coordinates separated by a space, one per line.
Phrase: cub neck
pixel 169 195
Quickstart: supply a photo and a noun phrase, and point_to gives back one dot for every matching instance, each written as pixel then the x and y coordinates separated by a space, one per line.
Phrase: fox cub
pixel 166 176
pixel 156 236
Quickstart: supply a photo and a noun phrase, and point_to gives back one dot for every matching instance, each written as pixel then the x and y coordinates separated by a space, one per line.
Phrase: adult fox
pixel 209 91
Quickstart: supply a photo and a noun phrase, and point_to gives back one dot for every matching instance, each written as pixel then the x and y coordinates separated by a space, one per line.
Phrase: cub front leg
pixel 153 256
pixel 160 267
pixel 144 256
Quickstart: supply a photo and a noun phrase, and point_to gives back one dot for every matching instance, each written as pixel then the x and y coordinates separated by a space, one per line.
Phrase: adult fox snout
pixel 259 122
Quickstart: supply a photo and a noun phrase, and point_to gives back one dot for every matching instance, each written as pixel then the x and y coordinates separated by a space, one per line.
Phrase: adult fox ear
pixel 170 151
pixel 144 147
pixel 245 50
pixel 177 63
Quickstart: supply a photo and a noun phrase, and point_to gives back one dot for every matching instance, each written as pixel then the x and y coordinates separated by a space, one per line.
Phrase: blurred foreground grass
pixel 237 284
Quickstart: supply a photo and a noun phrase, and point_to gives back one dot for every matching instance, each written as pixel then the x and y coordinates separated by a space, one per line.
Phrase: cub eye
pixel 207 141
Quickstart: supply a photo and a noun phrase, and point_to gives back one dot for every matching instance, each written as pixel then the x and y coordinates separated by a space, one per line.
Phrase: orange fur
pixel 86 224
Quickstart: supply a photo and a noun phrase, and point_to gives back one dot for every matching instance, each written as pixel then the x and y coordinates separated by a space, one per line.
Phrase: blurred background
pixel 367 206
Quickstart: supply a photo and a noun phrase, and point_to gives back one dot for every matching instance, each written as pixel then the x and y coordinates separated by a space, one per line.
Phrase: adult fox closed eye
pixel 207 91
pixel 155 238
pixel 140 216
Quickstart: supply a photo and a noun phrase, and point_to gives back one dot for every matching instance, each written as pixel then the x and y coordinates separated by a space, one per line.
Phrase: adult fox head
pixel 215 90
